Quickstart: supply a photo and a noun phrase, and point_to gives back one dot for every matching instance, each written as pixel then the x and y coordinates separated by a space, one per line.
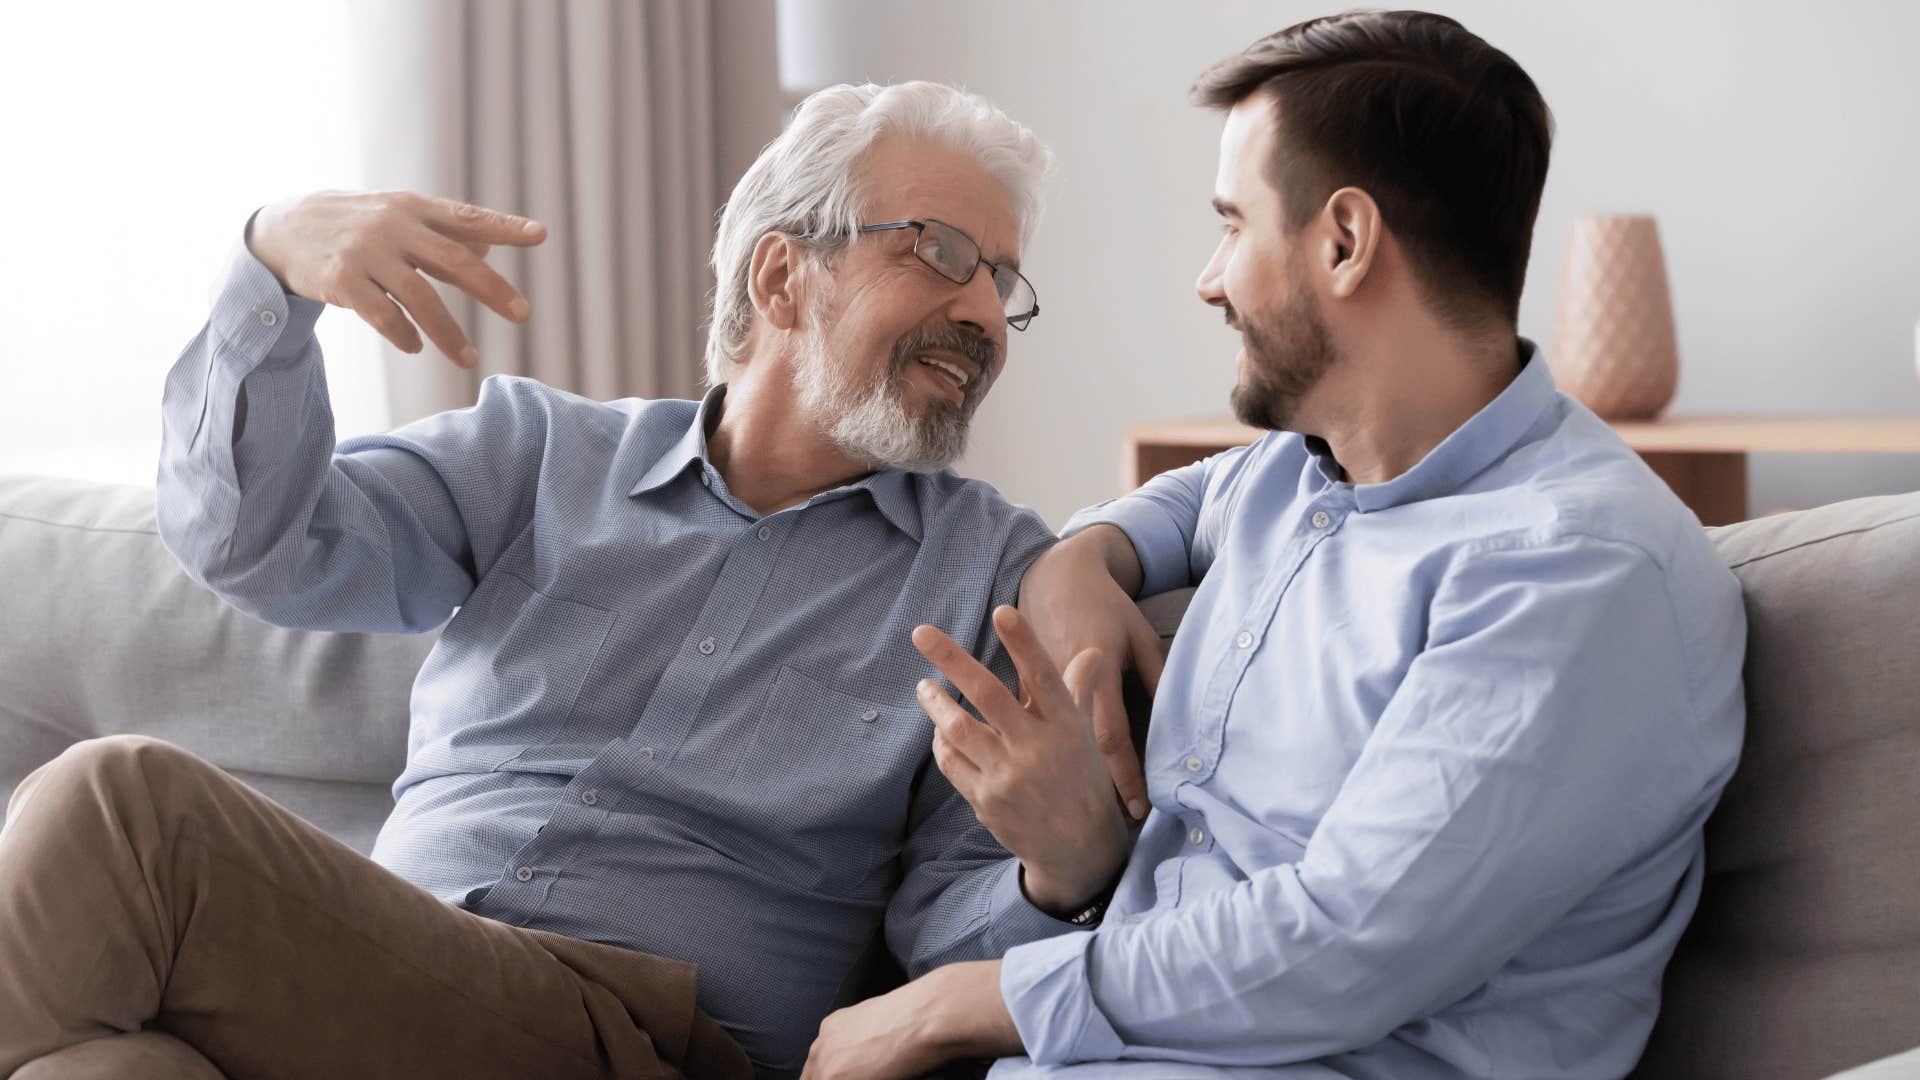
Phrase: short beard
pixel 871 423
pixel 1286 357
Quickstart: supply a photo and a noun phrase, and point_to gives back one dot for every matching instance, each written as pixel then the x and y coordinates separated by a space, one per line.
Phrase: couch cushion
pixel 1804 957
pixel 1899 1067
pixel 101 632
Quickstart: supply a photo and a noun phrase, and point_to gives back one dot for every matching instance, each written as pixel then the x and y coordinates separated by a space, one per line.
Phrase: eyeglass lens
pixel 955 255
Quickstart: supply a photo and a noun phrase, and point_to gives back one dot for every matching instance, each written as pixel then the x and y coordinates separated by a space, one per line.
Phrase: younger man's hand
pixel 1032 772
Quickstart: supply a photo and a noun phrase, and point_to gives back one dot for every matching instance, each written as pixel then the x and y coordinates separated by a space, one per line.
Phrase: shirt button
pixel 1194 764
pixel 590 797
pixel 706 647
pixel 1320 519
pixel 268 318
pixel 870 715
pixel 1244 639
pixel 1197 834
pixel 646 752
pixel 525 873
pixel 1136 920
pixel 765 532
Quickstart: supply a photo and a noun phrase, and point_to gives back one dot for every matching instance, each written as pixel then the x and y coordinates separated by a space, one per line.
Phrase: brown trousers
pixel 160 919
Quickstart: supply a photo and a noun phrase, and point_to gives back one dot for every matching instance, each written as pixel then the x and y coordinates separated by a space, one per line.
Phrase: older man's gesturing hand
pixel 1079 595
pixel 1032 772
pixel 366 251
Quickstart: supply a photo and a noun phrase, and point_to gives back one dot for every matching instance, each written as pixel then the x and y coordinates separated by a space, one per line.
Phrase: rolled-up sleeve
pixel 1163 520
pixel 1545 740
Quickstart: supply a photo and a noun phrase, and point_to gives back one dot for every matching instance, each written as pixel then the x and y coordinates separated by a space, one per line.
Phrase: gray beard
pixel 871 423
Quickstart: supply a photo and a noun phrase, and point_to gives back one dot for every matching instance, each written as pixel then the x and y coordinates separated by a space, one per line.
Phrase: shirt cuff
pixel 1161 546
pixel 258 319
pixel 1048 993
pixel 1012 917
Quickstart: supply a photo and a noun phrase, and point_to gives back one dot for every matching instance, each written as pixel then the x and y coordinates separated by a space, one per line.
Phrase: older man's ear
pixel 773 279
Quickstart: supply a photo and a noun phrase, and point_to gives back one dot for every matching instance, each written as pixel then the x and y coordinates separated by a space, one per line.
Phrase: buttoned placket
pixel 587 802
pixel 1322 520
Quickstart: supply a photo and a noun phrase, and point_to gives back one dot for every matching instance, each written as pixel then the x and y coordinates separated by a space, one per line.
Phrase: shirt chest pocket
pixel 837 768
pixel 511 665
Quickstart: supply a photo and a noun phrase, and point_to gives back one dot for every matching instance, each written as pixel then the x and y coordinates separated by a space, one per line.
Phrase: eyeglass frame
pixel 919 227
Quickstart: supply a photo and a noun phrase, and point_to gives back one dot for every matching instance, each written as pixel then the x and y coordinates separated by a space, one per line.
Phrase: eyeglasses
pixel 953 255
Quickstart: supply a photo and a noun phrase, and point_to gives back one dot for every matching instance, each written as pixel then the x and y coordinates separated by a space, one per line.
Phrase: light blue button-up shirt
pixel 659 720
pixel 1429 765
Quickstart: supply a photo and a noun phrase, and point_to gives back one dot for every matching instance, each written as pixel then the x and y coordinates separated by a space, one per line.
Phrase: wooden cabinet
pixel 1703 458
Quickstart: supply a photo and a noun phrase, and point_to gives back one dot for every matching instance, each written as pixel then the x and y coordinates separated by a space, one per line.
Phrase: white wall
pixel 1778 144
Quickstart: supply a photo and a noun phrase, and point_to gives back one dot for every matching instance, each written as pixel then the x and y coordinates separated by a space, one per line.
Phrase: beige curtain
pixel 594 116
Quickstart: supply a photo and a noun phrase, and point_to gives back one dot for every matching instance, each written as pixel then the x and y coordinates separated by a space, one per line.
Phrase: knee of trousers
pixel 120 764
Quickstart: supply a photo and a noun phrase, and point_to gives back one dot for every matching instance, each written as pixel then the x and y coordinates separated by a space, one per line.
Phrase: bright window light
pixel 137 138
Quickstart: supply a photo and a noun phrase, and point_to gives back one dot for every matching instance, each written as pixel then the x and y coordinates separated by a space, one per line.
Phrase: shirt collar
pixel 892 490
pixel 1485 438
pixel 690 447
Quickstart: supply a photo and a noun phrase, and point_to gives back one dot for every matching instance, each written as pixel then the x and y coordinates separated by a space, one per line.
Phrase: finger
pixel 457 265
pixel 372 303
pixel 961 772
pixel 971 739
pixel 1095 686
pixel 465 221
pixel 980 686
pixel 1083 674
pixel 1113 734
pixel 1038 677
pixel 1148 658
pixel 413 293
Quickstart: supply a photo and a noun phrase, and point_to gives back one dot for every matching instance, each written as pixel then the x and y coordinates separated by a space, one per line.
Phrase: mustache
pixel 1232 316
pixel 946 337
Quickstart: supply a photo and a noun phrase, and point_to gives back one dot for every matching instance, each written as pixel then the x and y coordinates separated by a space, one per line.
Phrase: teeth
pixel 958 376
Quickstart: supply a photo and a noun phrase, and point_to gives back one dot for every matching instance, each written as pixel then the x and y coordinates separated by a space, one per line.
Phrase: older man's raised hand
pixel 1032 772
pixel 366 251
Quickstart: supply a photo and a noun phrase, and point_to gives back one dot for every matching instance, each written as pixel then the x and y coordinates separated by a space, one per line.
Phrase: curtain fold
pixel 597 118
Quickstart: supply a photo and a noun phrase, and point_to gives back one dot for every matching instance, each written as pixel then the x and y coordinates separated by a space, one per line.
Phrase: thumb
pixel 1082 675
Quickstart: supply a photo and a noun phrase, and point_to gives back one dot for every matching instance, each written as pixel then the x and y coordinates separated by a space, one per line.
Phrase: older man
pixel 665 763
pixel 1431 756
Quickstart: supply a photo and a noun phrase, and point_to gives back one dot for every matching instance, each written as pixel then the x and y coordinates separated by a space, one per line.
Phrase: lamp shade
pixel 817 43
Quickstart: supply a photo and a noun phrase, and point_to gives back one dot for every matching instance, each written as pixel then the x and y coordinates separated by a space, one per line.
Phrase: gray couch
pixel 1804 958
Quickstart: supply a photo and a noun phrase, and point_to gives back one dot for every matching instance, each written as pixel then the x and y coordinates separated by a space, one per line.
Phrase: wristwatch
pixel 1092 913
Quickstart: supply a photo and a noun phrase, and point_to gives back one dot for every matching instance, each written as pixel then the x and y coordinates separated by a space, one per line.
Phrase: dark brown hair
pixel 1445 132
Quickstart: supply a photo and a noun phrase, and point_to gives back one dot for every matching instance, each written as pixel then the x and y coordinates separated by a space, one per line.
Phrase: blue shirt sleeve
pixel 255 500
pixel 1546 740
pixel 1165 519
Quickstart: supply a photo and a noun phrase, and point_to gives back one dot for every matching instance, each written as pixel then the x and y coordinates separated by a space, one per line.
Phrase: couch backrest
pixel 101 633
pixel 1804 957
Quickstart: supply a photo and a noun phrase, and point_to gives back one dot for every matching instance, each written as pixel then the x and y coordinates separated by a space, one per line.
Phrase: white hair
pixel 806 183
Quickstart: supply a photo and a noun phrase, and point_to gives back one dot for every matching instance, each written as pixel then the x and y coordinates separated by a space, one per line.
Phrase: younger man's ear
pixel 1353 239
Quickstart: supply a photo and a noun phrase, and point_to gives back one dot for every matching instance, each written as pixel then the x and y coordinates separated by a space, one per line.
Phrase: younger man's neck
pixel 1384 408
